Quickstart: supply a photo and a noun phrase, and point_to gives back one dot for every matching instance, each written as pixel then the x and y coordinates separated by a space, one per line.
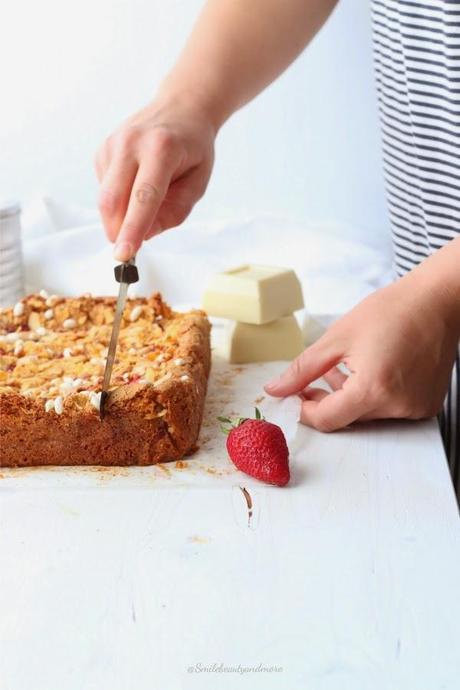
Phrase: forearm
pixel 238 47
pixel 440 275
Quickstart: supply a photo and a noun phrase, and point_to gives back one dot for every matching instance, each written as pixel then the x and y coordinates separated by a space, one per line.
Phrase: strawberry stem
pixel 237 421
pixel 225 420
pixel 259 415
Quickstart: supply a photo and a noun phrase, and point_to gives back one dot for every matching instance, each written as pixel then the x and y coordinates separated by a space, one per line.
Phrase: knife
pixel 125 274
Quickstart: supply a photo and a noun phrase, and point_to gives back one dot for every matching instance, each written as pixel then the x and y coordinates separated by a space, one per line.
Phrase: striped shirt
pixel 417 68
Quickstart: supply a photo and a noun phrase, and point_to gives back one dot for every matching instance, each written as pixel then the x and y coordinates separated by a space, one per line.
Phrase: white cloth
pixel 66 252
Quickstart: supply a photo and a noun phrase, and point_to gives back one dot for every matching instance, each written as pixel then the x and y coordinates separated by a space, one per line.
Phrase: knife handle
pixel 126 273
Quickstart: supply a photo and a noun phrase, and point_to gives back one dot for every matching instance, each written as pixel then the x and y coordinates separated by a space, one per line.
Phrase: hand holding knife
pixel 125 274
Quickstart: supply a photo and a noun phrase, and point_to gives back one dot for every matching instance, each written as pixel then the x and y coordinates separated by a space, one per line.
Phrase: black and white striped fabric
pixel 417 64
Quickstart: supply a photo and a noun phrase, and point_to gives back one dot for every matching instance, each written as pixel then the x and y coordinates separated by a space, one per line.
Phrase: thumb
pixel 315 361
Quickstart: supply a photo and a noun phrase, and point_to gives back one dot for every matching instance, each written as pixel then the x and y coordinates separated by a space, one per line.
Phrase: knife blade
pixel 125 274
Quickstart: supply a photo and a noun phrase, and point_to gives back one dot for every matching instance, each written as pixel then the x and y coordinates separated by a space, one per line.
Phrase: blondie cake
pixel 52 359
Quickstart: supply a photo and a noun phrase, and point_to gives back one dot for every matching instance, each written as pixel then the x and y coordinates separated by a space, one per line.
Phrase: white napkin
pixel 285 412
pixel 11 264
pixel 63 256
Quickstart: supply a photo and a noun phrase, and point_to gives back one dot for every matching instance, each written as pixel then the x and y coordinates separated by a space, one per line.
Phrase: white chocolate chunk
pixel 18 347
pixel 70 385
pixel 67 353
pixel 49 405
pixel 43 294
pixel 18 309
pixel 135 313
pixel 65 389
pixel 27 359
pixel 254 294
pixel 34 320
pixel 162 379
pixel 185 377
pixel 277 340
pixel 12 337
pixel 58 405
pixel 49 313
pixel 69 323
pixel 95 400
pixel 179 362
pixel 40 331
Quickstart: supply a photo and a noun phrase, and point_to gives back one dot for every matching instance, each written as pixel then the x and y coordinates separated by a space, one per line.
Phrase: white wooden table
pixel 138 579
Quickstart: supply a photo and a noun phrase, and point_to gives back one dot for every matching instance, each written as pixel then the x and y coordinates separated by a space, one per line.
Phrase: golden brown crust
pixel 155 417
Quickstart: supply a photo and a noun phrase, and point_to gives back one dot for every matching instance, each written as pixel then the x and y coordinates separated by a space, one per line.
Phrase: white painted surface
pixel 348 579
pixel 307 148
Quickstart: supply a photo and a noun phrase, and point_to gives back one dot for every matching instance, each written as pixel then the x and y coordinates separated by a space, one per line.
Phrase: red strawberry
pixel 258 448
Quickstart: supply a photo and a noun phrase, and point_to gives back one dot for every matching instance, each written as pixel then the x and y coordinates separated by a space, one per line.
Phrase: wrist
pixel 196 99
pixel 439 278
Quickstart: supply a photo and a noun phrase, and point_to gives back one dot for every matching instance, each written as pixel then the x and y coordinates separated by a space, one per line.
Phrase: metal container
pixel 11 262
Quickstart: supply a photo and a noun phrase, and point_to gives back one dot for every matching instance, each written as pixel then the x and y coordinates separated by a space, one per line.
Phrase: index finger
pixel 149 189
pixel 315 361
pixel 335 410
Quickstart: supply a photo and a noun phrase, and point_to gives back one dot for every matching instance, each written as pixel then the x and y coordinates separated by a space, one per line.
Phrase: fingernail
pixel 123 251
pixel 273 383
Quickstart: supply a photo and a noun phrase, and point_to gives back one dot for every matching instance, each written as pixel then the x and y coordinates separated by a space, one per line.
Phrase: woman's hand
pixel 152 171
pixel 157 165
pixel 399 345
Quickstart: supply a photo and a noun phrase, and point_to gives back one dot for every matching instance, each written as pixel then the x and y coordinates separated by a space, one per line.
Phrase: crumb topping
pixel 54 347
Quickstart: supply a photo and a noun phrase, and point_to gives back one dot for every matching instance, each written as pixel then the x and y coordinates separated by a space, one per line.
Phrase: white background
pixel 307 149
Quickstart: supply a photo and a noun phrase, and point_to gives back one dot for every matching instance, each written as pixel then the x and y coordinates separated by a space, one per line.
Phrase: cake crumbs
pixel 196 539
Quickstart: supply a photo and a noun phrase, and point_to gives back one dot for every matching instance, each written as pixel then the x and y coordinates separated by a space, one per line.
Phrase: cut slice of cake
pixel 52 358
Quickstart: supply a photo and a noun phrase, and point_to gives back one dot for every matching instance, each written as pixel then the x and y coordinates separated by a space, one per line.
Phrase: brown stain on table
pixel 248 499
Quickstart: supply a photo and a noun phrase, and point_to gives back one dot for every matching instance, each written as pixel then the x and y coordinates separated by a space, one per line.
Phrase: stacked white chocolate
pixel 260 300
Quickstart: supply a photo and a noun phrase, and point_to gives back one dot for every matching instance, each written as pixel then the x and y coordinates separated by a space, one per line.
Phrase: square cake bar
pixel 52 359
